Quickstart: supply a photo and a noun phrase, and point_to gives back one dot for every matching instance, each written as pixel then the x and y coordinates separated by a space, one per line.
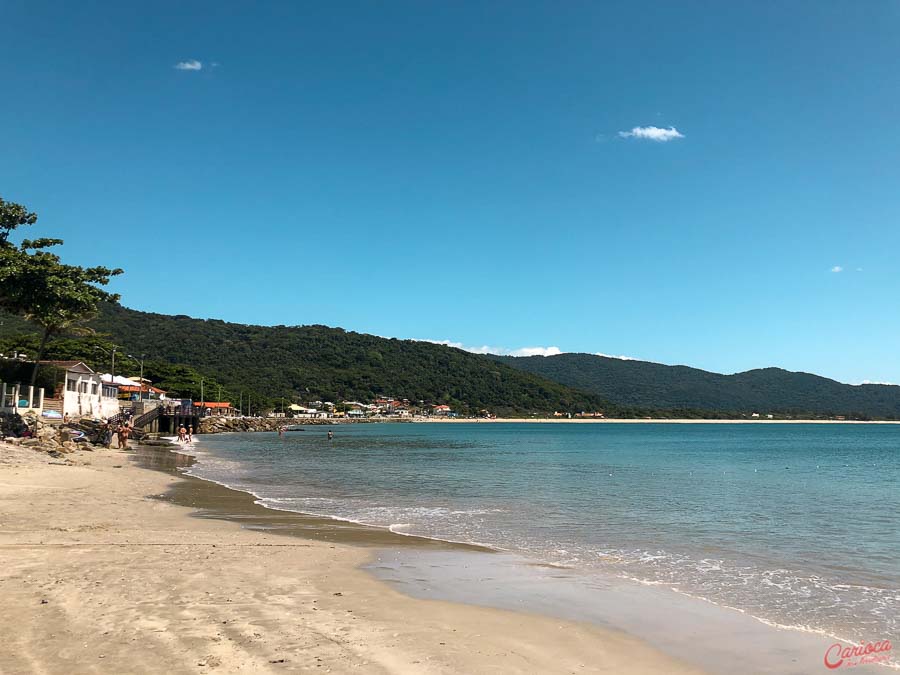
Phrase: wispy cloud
pixel 616 356
pixel 502 351
pixel 520 351
pixel 837 269
pixel 660 135
pixel 535 351
pixel 193 64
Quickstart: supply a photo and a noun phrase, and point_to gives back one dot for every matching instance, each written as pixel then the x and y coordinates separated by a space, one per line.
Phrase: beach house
pixel 79 391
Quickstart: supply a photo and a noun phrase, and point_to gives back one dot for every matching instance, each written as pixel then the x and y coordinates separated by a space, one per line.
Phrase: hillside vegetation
pixel 308 362
pixel 318 362
pixel 766 390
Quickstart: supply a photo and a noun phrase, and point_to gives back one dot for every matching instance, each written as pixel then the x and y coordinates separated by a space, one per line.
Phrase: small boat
pixel 294 427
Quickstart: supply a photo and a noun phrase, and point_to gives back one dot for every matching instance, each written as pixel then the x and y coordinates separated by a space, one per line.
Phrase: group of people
pixel 122 430
pixel 186 435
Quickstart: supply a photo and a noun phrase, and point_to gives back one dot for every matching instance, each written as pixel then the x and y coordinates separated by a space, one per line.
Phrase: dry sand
pixel 100 575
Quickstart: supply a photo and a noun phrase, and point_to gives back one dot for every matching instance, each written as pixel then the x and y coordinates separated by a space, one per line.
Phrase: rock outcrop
pixel 52 439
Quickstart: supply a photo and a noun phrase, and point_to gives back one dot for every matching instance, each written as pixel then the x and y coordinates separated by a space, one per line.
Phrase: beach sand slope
pixel 98 575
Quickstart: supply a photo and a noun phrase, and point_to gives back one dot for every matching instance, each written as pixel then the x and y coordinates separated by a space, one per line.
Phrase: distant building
pixel 307 413
pixel 443 410
pixel 138 392
pixel 219 408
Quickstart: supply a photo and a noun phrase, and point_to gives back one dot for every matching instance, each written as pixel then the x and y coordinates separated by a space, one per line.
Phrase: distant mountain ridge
pixel 765 390
pixel 334 364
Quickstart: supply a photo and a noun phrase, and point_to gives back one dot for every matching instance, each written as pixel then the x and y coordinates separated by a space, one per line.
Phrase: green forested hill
pixel 767 390
pixel 316 362
pixel 332 364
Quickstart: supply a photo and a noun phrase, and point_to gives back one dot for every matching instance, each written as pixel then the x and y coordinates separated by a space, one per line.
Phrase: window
pixel 71 385
pixel 93 388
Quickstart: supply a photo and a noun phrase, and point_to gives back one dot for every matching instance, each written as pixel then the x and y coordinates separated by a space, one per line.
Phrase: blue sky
pixel 457 171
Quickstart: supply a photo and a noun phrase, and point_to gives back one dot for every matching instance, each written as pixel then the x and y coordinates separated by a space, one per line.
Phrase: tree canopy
pixel 37 285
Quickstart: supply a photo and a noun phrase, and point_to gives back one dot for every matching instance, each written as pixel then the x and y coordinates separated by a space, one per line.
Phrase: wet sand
pixel 211 500
pixel 103 570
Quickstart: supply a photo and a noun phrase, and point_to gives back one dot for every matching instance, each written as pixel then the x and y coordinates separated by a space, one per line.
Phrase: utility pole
pixel 241 404
pixel 141 361
pixel 202 399
pixel 113 354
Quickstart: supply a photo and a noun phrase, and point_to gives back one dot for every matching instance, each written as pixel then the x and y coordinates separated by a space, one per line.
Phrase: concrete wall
pixel 12 394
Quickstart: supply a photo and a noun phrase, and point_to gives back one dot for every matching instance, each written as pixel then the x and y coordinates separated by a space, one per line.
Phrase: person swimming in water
pixel 330 435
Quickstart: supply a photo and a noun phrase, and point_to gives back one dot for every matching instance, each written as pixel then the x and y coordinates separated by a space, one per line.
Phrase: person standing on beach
pixel 182 433
pixel 107 434
pixel 123 437
pixel 190 434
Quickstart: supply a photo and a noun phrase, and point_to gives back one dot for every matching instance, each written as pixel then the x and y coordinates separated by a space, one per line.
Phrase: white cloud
pixel 653 134
pixel 521 351
pixel 616 356
pixel 837 269
pixel 535 351
pixel 193 64
pixel 502 351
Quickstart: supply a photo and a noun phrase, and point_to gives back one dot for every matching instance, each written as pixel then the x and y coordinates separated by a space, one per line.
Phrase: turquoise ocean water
pixel 798 525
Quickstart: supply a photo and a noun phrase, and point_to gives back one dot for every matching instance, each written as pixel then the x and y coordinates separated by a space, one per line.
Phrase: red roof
pixel 212 404
pixel 135 388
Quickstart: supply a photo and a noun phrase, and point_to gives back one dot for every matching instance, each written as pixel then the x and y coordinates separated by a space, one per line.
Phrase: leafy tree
pixel 37 285
pixel 13 216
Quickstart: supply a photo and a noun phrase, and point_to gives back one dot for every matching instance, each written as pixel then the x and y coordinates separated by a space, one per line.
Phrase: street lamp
pixel 141 361
pixel 113 366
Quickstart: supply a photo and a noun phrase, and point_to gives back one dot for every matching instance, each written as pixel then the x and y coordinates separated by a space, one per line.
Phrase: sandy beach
pixel 103 573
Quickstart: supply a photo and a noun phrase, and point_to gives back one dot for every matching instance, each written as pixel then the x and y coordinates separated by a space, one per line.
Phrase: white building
pixel 80 392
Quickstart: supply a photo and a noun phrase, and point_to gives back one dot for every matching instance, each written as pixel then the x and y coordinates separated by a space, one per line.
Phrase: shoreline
pixel 699 632
pixel 103 573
